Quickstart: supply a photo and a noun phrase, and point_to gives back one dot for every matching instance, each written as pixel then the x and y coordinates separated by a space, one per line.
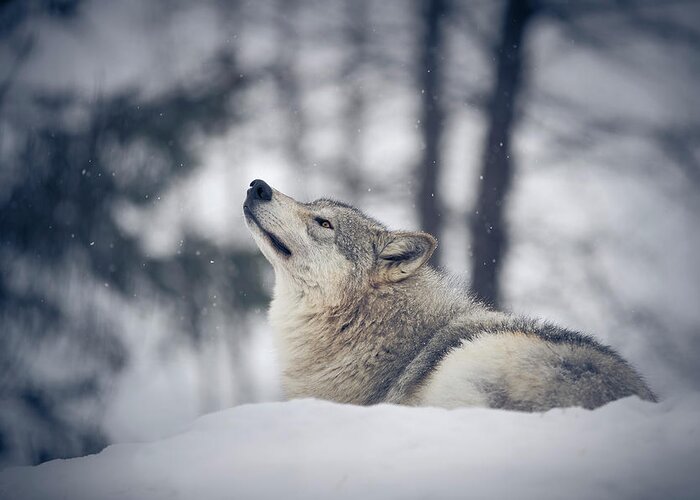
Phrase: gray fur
pixel 361 318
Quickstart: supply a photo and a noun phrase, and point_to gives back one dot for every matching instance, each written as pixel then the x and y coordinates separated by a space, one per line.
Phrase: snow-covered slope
pixel 315 449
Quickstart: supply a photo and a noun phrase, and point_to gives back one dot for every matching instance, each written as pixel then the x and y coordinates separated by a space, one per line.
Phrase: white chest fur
pixel 313 363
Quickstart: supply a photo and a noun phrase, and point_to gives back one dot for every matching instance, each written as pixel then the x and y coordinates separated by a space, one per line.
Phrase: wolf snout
pixel 258 191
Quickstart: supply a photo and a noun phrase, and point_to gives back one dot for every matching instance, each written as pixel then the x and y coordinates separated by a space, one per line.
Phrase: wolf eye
pixel 324 223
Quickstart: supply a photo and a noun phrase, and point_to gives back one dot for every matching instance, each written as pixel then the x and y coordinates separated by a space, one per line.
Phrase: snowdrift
pixel 314 449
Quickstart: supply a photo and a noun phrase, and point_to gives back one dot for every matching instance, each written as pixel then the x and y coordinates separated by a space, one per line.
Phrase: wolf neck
pixel 338 348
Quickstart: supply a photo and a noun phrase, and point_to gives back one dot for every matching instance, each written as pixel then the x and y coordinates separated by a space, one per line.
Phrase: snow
pixel 317 449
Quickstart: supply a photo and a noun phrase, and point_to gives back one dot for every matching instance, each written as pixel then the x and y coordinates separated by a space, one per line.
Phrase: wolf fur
pixel 360 318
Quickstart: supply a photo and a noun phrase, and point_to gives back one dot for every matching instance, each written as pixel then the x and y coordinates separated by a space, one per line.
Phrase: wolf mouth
pixel 274 240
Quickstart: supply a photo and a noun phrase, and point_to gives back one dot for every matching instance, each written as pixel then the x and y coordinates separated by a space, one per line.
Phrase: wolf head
pixel 327 246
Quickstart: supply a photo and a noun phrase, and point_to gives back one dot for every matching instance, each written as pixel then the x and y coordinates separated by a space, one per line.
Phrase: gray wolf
pixel 360 318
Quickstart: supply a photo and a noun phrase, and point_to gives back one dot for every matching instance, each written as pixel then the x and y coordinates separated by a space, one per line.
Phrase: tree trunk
pixel 432 118
pixel 290 91
pixel 488 232
pixel 356 41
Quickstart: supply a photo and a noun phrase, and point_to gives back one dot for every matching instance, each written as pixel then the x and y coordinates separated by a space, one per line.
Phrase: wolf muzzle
pixel 259 191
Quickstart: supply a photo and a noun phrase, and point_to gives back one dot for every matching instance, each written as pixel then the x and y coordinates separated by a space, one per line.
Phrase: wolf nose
pixel 259 190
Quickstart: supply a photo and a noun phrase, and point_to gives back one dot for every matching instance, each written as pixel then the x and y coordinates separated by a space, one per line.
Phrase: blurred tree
pixel 13 13
pixel 58 223
pixel 488 226
pixel 356 20
pixel 432 117
pixel 488 231
pixel 290 88
pixel 212 289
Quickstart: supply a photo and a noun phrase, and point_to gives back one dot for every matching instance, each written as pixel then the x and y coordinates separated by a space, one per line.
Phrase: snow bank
pixel 315 449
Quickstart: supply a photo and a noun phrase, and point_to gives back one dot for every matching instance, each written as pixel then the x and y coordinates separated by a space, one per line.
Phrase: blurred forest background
pixel 552 146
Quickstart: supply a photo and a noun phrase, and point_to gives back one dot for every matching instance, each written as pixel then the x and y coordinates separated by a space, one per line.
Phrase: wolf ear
pixel 404 253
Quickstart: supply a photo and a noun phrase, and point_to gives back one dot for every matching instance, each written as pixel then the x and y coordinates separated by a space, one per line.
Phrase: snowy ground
pixel 314 449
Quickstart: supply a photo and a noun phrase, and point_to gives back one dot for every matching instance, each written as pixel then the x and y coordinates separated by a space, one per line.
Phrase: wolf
pixel 360 317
